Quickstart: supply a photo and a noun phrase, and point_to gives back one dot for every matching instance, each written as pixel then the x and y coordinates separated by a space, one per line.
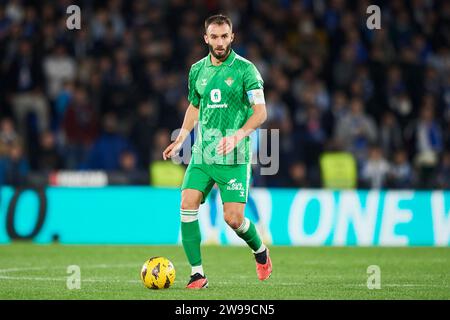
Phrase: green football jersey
pixel 221 94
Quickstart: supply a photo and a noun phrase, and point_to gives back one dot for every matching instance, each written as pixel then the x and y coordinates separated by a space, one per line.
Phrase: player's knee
pixel 189 205
pixel 189 202
pixel 233 219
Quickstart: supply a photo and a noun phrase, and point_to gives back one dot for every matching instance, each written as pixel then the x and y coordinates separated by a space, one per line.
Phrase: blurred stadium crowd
pixel 107 97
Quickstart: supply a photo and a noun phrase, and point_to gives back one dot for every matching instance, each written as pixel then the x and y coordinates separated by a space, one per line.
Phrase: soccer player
pixel 226 98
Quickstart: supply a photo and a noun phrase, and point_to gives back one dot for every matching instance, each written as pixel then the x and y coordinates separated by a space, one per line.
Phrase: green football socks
pixel 247 232
pixel 191 237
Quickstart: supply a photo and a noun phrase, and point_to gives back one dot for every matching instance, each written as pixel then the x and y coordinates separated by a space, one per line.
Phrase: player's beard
pixel 222 56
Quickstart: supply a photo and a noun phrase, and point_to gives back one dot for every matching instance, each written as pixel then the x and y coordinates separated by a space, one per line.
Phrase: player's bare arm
pixel 227 144
pixel 190 117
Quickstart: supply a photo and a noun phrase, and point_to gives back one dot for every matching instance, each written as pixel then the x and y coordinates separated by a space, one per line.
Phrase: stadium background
pixel 107 97
pixel 355 108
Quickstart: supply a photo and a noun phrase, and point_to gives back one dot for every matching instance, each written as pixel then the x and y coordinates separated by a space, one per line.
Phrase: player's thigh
pixel 233 182
pixel 197 179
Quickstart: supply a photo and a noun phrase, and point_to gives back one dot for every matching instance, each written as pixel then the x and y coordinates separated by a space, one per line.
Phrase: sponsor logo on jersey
pixel 232 185
pixel 216 96
pixel 217 106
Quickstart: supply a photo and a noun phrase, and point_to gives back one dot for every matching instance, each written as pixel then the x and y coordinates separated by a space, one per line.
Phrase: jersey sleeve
pixel 193 97
pixel 252 79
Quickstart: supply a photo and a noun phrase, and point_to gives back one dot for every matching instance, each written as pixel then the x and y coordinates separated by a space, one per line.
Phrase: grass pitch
pixel 29 271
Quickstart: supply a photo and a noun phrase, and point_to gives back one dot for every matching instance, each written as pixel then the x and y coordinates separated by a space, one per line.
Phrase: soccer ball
pixel 158 273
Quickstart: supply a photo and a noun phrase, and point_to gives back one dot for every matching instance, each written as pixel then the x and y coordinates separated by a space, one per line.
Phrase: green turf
pixel 30 271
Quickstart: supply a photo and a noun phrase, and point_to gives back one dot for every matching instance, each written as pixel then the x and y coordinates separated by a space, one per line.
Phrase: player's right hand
pixel 172 150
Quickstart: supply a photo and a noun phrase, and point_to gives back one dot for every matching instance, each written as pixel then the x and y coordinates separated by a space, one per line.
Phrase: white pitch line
pixel 92 266
pixel 401 285
pixel 24 269
pixel 285 284
pixel 123 281
pixel 65 279
pixel 101 266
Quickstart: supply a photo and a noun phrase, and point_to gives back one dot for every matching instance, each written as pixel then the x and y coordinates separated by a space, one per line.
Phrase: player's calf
pixel 247 231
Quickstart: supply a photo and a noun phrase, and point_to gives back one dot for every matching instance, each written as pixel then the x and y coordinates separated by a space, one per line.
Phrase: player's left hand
pixel 227 144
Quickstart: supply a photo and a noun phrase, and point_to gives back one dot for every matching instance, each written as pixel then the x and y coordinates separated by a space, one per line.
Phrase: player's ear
pixel 232 37
pixel 205 37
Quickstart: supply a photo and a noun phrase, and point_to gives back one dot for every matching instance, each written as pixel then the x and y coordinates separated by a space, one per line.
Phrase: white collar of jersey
pixel 228 61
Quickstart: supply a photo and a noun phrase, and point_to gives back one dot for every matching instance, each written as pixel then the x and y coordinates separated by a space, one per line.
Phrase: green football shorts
pixel 232 180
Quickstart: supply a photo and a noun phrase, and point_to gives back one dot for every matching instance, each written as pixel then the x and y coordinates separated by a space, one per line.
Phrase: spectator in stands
pixel 59 68
pixel 127 52
pixel 161 140
pixel 62 102
pixel 144 126
pixel 446 96
pixel 5 23
pixel 14 167
pixel 375 170
pixel 25 81
pixel 277 112
pixel 80 128
pixel 121 92
pixel 443 172
pixel 298 177
pixel 311 136
pixel 8 136
pixel 390 136
pixel 425 138
pixel 339 108
pixel 364 81
pixel 396 94
pixel 129 169
pixel 49 158
pixel 345 68
pixel 356 130
pixel 401 174
pixel 106 151
pixel 447 138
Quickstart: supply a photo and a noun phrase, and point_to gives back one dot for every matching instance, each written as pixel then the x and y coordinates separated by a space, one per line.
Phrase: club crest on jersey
pixel 203 83
pixel 229 81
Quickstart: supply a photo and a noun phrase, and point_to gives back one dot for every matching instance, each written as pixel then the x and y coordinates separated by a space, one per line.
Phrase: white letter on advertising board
pixel 441 224
pixel 350 211
pixel 392 216
pixel 296 224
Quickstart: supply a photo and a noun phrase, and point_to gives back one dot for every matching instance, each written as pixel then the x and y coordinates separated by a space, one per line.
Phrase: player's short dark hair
pixel 218 19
